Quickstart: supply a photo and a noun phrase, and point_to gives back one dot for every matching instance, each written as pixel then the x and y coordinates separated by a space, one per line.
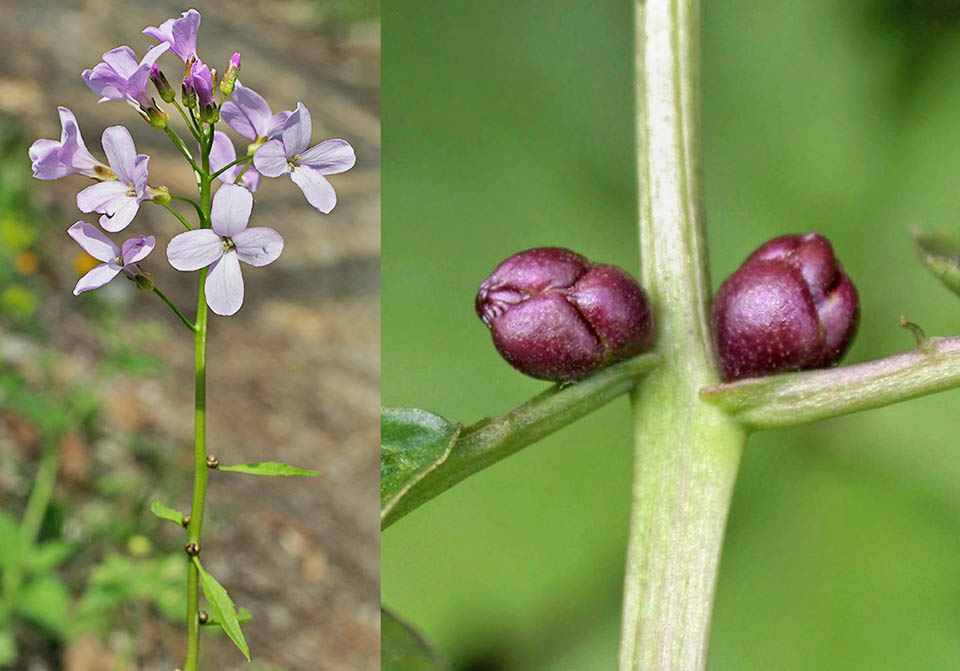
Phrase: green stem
pixel 175 213
pixel 195 204
pixel 687 452
pixel 178 141
pixel 188 121
pixel 189 324
pixel 230 165
pixel 795 398
pixel 200 472
pixel 490 440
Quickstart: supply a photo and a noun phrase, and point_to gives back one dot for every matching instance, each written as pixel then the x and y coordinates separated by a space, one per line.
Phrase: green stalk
pixel 492 439
pixel 199 436
pixel 687 451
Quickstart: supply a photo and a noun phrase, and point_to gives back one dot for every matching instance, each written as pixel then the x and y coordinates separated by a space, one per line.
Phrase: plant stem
pixel 195 204
pixel 687 452
pixel 795 398
pixel 490 440
pixel 179 216
pixel 199 437
pixel 189 324
pixel 178 141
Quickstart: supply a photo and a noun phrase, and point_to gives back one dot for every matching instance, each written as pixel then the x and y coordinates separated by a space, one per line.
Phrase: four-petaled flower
pixel 118 200
pixel 306 167
pixel 249 114
pixel 223 246
pixel 180 34
pixel 121 77
pixel 115 259
pixel 69 156
pixel 222 153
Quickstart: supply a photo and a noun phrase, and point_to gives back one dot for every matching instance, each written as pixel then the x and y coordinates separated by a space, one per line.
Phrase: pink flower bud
pixel 554 315
pixel 789 307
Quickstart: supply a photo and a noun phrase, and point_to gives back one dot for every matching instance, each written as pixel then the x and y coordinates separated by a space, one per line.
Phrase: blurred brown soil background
pixel 293 377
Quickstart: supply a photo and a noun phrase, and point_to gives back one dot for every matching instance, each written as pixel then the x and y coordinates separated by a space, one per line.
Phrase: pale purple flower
pixel 306 167
pixel 69 156
pixel 200 81
pixel 249 114
pixel 223 153
pixel 115 259
pixel 223 246
pixel 121 77
pixel 180 34
pixel 118 200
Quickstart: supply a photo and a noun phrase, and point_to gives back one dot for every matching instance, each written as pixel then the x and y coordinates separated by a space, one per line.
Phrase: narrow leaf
pixel 243 616
pixel 44 600
pixel 402 648
pixel 269 468
pixel 165 513
pixel 412 443
pixel 10 546
pixel 48 556
pixel 223 609
pixel 940 253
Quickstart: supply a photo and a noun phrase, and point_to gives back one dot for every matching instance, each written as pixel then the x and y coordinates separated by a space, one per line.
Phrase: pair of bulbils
pixel 556 316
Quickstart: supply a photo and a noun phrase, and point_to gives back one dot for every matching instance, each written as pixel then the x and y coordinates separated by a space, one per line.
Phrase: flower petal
pixel 274 127
pixel 137 249
pixel 93 242
pixel 297 130
pixel 140 175
pixel 185 34
pixel 121 152
pixel 246 112
pixel 271 160
pixel 224 285
pixel 330 157
pixel 96 278
pixel 122 60
pixel 99 197
pixel 45 159
pixel 121 213
pixel 195 249
pixel 315 187
pixel 222 151
pixel 231 209
pixel 258 246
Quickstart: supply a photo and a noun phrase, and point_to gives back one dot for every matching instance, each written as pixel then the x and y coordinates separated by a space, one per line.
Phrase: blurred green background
pixel 508 126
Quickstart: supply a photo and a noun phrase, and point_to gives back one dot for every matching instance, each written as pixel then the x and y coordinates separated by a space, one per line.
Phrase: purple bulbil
pixel 554 315
pixel 789 307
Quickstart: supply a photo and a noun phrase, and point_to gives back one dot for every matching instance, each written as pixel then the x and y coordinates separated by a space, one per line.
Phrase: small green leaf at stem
pixel 48 556
pixel 223 609
pixel 269 468
pixel 940 253
pixel 243 616
pixel 402 648
pixel 165 513
pixel 412 443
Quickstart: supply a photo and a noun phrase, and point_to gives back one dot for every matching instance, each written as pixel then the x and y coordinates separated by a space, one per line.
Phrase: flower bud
pixel 230 76
pixel 789 307
pixel 554 315
pixel 164 90
pixel 156 117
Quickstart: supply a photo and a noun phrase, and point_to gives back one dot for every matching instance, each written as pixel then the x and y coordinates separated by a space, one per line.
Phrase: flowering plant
pixel 214 245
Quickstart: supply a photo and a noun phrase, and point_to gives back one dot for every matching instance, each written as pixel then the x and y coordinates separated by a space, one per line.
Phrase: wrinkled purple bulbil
pixel 789 307
pixel 554 315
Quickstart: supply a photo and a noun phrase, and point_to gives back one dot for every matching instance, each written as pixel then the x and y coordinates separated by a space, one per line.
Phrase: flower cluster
pixel 279 144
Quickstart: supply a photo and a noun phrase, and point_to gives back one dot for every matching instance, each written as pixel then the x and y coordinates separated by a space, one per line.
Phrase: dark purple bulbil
pixel 789 306
pixel 556 316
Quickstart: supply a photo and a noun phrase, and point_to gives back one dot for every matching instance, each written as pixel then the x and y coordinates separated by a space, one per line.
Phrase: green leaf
pixel 165 513
pixel 243 616
pixel 223 609
pixel 8 647
pixel 402 648
pixel 412 443
pixel 10 547
pixel 48 556
pixel 269 468
pixel 45 601
pixel 940 253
